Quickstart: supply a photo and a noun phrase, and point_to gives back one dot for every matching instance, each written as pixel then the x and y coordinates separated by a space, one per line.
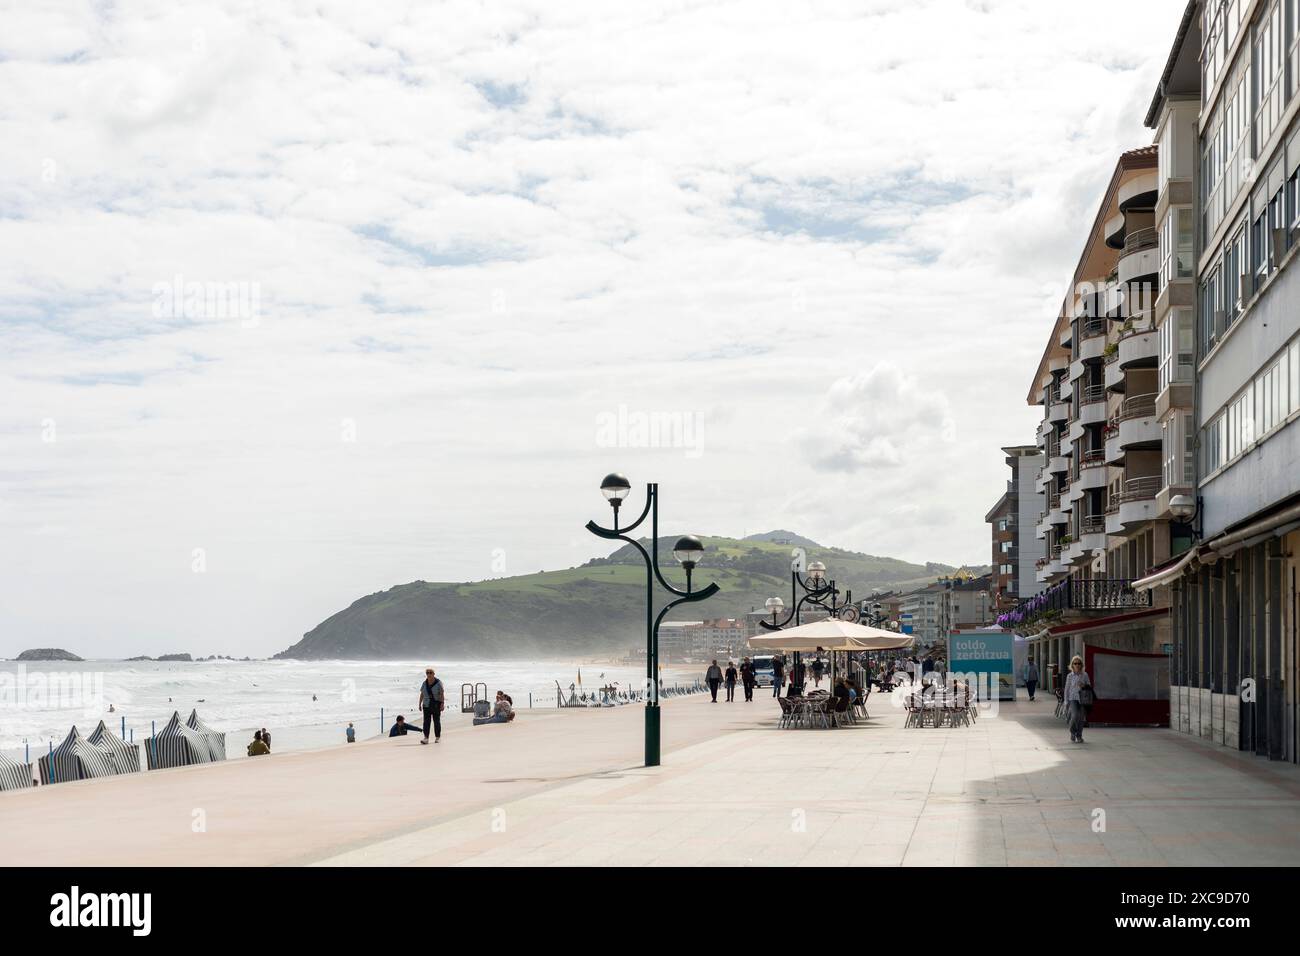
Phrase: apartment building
pixel 1097 382
pixel 1016 546
pixel 1228 104
pixel 950 604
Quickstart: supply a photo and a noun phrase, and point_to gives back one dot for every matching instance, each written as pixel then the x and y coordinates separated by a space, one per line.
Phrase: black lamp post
pixel 688 550
pixel 817 592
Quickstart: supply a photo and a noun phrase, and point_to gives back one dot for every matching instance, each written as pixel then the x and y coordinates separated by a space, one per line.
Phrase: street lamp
pixel 688 551
pixel 1187 509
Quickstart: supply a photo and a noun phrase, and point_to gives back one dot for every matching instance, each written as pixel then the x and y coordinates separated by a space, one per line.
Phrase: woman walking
pixel 1078 697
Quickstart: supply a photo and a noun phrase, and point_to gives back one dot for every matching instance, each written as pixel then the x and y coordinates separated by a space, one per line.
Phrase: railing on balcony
pixel 1092 458
pixel 1076 594
pixel 1092 524
pixel 1140 239
pixel 1092 327
pixel 1054 501
pixel 1139 406
pixel 1093 393
pixel 1137 489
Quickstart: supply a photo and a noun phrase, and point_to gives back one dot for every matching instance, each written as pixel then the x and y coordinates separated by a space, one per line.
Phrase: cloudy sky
pixel 301 301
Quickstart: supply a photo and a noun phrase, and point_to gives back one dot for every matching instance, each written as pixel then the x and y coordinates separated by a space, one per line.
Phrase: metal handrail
pixel 1145 238
pixel 1092 524
pixel 1139 406
pixel 1092 458
pixel 1092 327
pixel 1137 489
pixel 1094 393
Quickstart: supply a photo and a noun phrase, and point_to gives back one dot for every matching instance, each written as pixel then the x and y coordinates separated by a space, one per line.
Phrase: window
pixel 1002 524
pixel 1211 316
pixel 1177 348
pixel 1268 65
pixel 1006 569
pixel 1006 547
pixel 1261 408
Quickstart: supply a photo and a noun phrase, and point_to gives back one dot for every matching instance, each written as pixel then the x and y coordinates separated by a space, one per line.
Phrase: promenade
pixel 566 787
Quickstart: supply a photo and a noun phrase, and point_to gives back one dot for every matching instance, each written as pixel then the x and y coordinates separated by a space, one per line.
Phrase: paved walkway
pixel 567 788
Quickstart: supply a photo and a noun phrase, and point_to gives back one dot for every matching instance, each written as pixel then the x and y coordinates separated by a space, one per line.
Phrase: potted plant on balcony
pixel 1065 540
pixel 1112 348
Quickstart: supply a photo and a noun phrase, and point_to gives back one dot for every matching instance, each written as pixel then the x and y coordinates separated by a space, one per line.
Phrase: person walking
pixel 714 677
pixel 432 699
pixel 747 678
pixel 730 678
pixel 778 675
pixel 818 667
pixel 1031 678
pixel 351 733
pixel 911 669
pixel 1078 697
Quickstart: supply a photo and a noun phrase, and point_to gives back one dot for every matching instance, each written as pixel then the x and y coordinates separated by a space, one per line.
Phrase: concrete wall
pixel 1197 711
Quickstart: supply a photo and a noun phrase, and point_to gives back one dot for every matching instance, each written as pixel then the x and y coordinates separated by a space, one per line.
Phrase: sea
pixel 304 704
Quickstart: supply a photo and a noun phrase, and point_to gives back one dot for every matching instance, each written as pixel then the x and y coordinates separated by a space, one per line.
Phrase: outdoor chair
pixel 789 713
pixel 914 713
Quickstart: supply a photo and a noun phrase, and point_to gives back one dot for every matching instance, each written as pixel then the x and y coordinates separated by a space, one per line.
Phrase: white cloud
pixel 473 229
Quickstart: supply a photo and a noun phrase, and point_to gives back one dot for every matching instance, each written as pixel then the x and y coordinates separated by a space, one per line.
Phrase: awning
pixel 1167 572
pixel 1276 524
pixel 832 635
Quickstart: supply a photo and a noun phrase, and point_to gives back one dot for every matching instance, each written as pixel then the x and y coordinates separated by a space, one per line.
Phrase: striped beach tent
pixel 76 759
pixel 176 746
pixel 14 775
pixel 125 756
pixel 215 738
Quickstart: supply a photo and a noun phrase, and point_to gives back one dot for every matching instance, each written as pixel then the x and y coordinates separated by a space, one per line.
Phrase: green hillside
pixel 596 608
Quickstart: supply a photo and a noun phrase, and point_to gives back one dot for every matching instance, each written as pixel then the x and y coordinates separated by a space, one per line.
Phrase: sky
pixel 301 301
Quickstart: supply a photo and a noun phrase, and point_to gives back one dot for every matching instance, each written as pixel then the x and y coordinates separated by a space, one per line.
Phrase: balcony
pixel 1139 349
pixel 1138 426
pixel 1140 257
pixel 1094 594
pixel 1114 371
pixel 1058 413
pixel 1058 464
pixel 1092 472
pixel 1134 504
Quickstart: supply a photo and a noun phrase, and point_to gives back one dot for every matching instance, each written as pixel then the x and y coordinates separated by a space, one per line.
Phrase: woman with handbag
pixel 1078 697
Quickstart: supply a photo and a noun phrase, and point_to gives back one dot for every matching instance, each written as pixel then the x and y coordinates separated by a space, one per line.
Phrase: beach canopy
pixel 831 635
pixel 14 775
pixel 177 745
pixel 125 756
pixel 78 759
pixel 216 740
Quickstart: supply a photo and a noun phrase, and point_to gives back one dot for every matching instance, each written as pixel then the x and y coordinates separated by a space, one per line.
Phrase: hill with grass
pixel 593 609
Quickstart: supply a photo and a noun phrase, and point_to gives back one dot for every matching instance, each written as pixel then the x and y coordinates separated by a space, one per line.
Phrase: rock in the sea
pixel 174 657
pixel 47 654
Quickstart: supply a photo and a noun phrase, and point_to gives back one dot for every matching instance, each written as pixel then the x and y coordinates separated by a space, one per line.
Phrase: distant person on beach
pixel 400 729
pixel 258 747
pixel 431 704
pixel 313 697
pixel 730 678
pixel 351 734
pixel 714 677
pixel 266 738
pixel 747 678
pixel 502 712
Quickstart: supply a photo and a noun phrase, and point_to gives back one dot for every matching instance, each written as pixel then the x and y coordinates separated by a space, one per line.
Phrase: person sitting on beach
pixel 399 729
pixel 266 739
pixel 258 747
pixel 503 711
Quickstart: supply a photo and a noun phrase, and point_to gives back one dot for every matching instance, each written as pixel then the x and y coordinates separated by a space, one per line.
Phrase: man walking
pixel 778 675
pixel 747 678
pixel 714 677
pixel 731 681
pixel 431 701
pixel 1031 678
